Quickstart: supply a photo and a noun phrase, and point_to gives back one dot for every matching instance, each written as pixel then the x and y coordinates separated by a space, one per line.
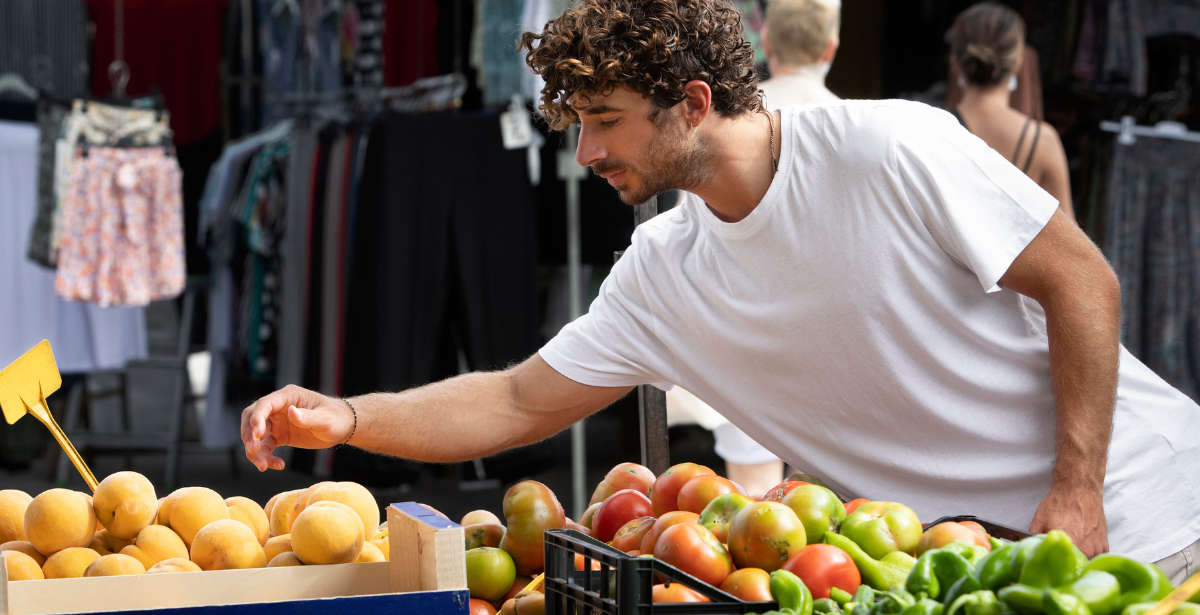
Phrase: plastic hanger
pixel 1128 131
pixel 12 83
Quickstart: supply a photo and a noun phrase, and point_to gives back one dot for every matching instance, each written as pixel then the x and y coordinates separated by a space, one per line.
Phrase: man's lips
pixel 614 178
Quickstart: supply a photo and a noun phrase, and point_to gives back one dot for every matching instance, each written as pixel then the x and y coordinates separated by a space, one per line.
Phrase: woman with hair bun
pixel 987 45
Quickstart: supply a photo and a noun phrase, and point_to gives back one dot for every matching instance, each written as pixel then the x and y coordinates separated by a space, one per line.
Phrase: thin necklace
pixel 774 160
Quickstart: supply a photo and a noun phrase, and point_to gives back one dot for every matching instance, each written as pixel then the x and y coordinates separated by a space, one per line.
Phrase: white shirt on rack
pixel 853 325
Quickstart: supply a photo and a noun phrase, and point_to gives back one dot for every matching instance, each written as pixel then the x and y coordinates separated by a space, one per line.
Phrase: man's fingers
pixel 319 422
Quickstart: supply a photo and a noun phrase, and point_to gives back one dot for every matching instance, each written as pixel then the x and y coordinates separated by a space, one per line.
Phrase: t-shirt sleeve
pixel 979 207
pixel 614 344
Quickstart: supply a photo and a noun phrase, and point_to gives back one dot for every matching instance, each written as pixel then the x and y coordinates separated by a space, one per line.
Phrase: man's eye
pixel 607 123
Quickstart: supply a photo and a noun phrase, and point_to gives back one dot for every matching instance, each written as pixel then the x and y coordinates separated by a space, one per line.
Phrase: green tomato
pixel 720 512
pixel 818 508
pixel 883 527
pixel 490 573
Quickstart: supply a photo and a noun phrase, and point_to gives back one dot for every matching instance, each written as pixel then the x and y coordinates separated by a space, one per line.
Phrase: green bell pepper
pixel 892 603
pixel 1023 599
pixel 936 570
pixel 925 606
pixel 961 587
pixel 826 606
pixel 1099 590
pixel 972 553
pixel 1056 562
pixel 864 596
pixel 1023 551
pixel 1187 608
pixel 1139 582
pixel 1061 603
pixel 884 574
pixel 996 543
pixel 982 602
pixel 995 571
pixel 791 593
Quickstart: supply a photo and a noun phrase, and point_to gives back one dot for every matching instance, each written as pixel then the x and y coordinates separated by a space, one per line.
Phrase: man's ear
pixel 696 103
pixel 765 42
pixel 830 50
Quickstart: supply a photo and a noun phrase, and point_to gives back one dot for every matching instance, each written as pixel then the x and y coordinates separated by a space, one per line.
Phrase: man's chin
pixel 631 196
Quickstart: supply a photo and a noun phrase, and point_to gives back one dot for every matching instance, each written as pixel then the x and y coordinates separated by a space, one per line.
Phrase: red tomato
pixel 765 535
pixel 586 519
pixel 693 549
pixel 629 537
pixel 620 508
pixel 519 585
pixel 749 584
pixel 623 476
pixel 776 493
pixel 701 490
pixel 480 607
pixel 579 564
pixel 674 517
pixel 943 534
pixel 676 593
pixel 664 493
pixel 853 505
pixel 823 567
pixel 971 525
pixel 578 528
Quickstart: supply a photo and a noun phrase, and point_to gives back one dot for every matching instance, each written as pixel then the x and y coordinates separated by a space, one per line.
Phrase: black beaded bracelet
pixel 352 429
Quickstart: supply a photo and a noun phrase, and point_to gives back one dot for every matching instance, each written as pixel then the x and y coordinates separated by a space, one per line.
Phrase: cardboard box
pixel 427 574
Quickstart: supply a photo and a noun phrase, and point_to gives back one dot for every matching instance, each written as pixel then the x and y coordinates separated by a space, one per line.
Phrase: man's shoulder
pixel 863 113
pixel 861 130
pixel 668 227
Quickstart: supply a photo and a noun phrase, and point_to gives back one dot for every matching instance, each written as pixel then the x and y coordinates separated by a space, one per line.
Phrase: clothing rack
pixel 1128 131
pixel 426 93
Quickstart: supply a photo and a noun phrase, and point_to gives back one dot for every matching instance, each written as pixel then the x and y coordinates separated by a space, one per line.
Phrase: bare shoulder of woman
pixel 1050 168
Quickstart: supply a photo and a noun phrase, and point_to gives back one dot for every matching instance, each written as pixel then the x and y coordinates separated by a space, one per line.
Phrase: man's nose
pixel 588 151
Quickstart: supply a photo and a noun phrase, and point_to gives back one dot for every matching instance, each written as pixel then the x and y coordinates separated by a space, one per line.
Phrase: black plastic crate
pixel 1002 532
pixel 588 592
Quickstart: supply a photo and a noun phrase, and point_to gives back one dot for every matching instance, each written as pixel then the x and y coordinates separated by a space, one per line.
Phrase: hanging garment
pixel 446 240
pixel 223 181
pixel 504 67
pixel 281 30
pixel 1152 239
pixel 50 120
pixel 122 228
pixel 46 43
pixel 410 41
pixel 172 44
pixel 85 338
pixel 292 338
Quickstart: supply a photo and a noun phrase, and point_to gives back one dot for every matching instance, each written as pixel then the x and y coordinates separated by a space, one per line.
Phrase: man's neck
pixel 742 165
pixel 780 69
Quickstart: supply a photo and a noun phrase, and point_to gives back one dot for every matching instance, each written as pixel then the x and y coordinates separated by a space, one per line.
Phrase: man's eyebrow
pixel 599 110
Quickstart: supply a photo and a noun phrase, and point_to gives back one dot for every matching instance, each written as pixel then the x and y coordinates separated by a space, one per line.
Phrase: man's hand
pixel 295 417
pixel 1078 511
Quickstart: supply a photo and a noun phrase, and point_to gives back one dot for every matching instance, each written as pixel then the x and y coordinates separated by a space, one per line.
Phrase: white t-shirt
pixel 853 325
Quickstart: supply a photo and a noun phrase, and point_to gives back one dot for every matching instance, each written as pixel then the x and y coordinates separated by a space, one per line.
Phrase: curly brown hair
pixel 653 47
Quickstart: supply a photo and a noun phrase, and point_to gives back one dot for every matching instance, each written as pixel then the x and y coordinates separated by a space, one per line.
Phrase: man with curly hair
pixel 871 292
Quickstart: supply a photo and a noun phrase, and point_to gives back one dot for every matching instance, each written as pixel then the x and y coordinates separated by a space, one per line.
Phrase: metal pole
pixel 652 401
pixel 570 171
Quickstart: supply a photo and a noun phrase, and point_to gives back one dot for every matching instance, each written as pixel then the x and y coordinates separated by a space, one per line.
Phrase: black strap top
pixel 1037 132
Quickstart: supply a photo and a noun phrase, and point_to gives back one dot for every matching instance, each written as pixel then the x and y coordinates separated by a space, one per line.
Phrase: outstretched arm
pixel 466 417
pixel 1064 272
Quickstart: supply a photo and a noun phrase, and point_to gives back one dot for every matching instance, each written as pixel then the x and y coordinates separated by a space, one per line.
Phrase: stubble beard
pixel 670 161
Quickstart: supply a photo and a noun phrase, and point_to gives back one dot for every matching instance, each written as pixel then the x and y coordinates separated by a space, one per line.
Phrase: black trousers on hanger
pixel 445 253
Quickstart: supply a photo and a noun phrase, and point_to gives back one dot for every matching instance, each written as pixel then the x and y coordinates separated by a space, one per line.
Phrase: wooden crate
pixel 427 574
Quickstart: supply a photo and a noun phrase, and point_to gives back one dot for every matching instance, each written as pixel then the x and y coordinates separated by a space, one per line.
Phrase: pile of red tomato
pixel 701 523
